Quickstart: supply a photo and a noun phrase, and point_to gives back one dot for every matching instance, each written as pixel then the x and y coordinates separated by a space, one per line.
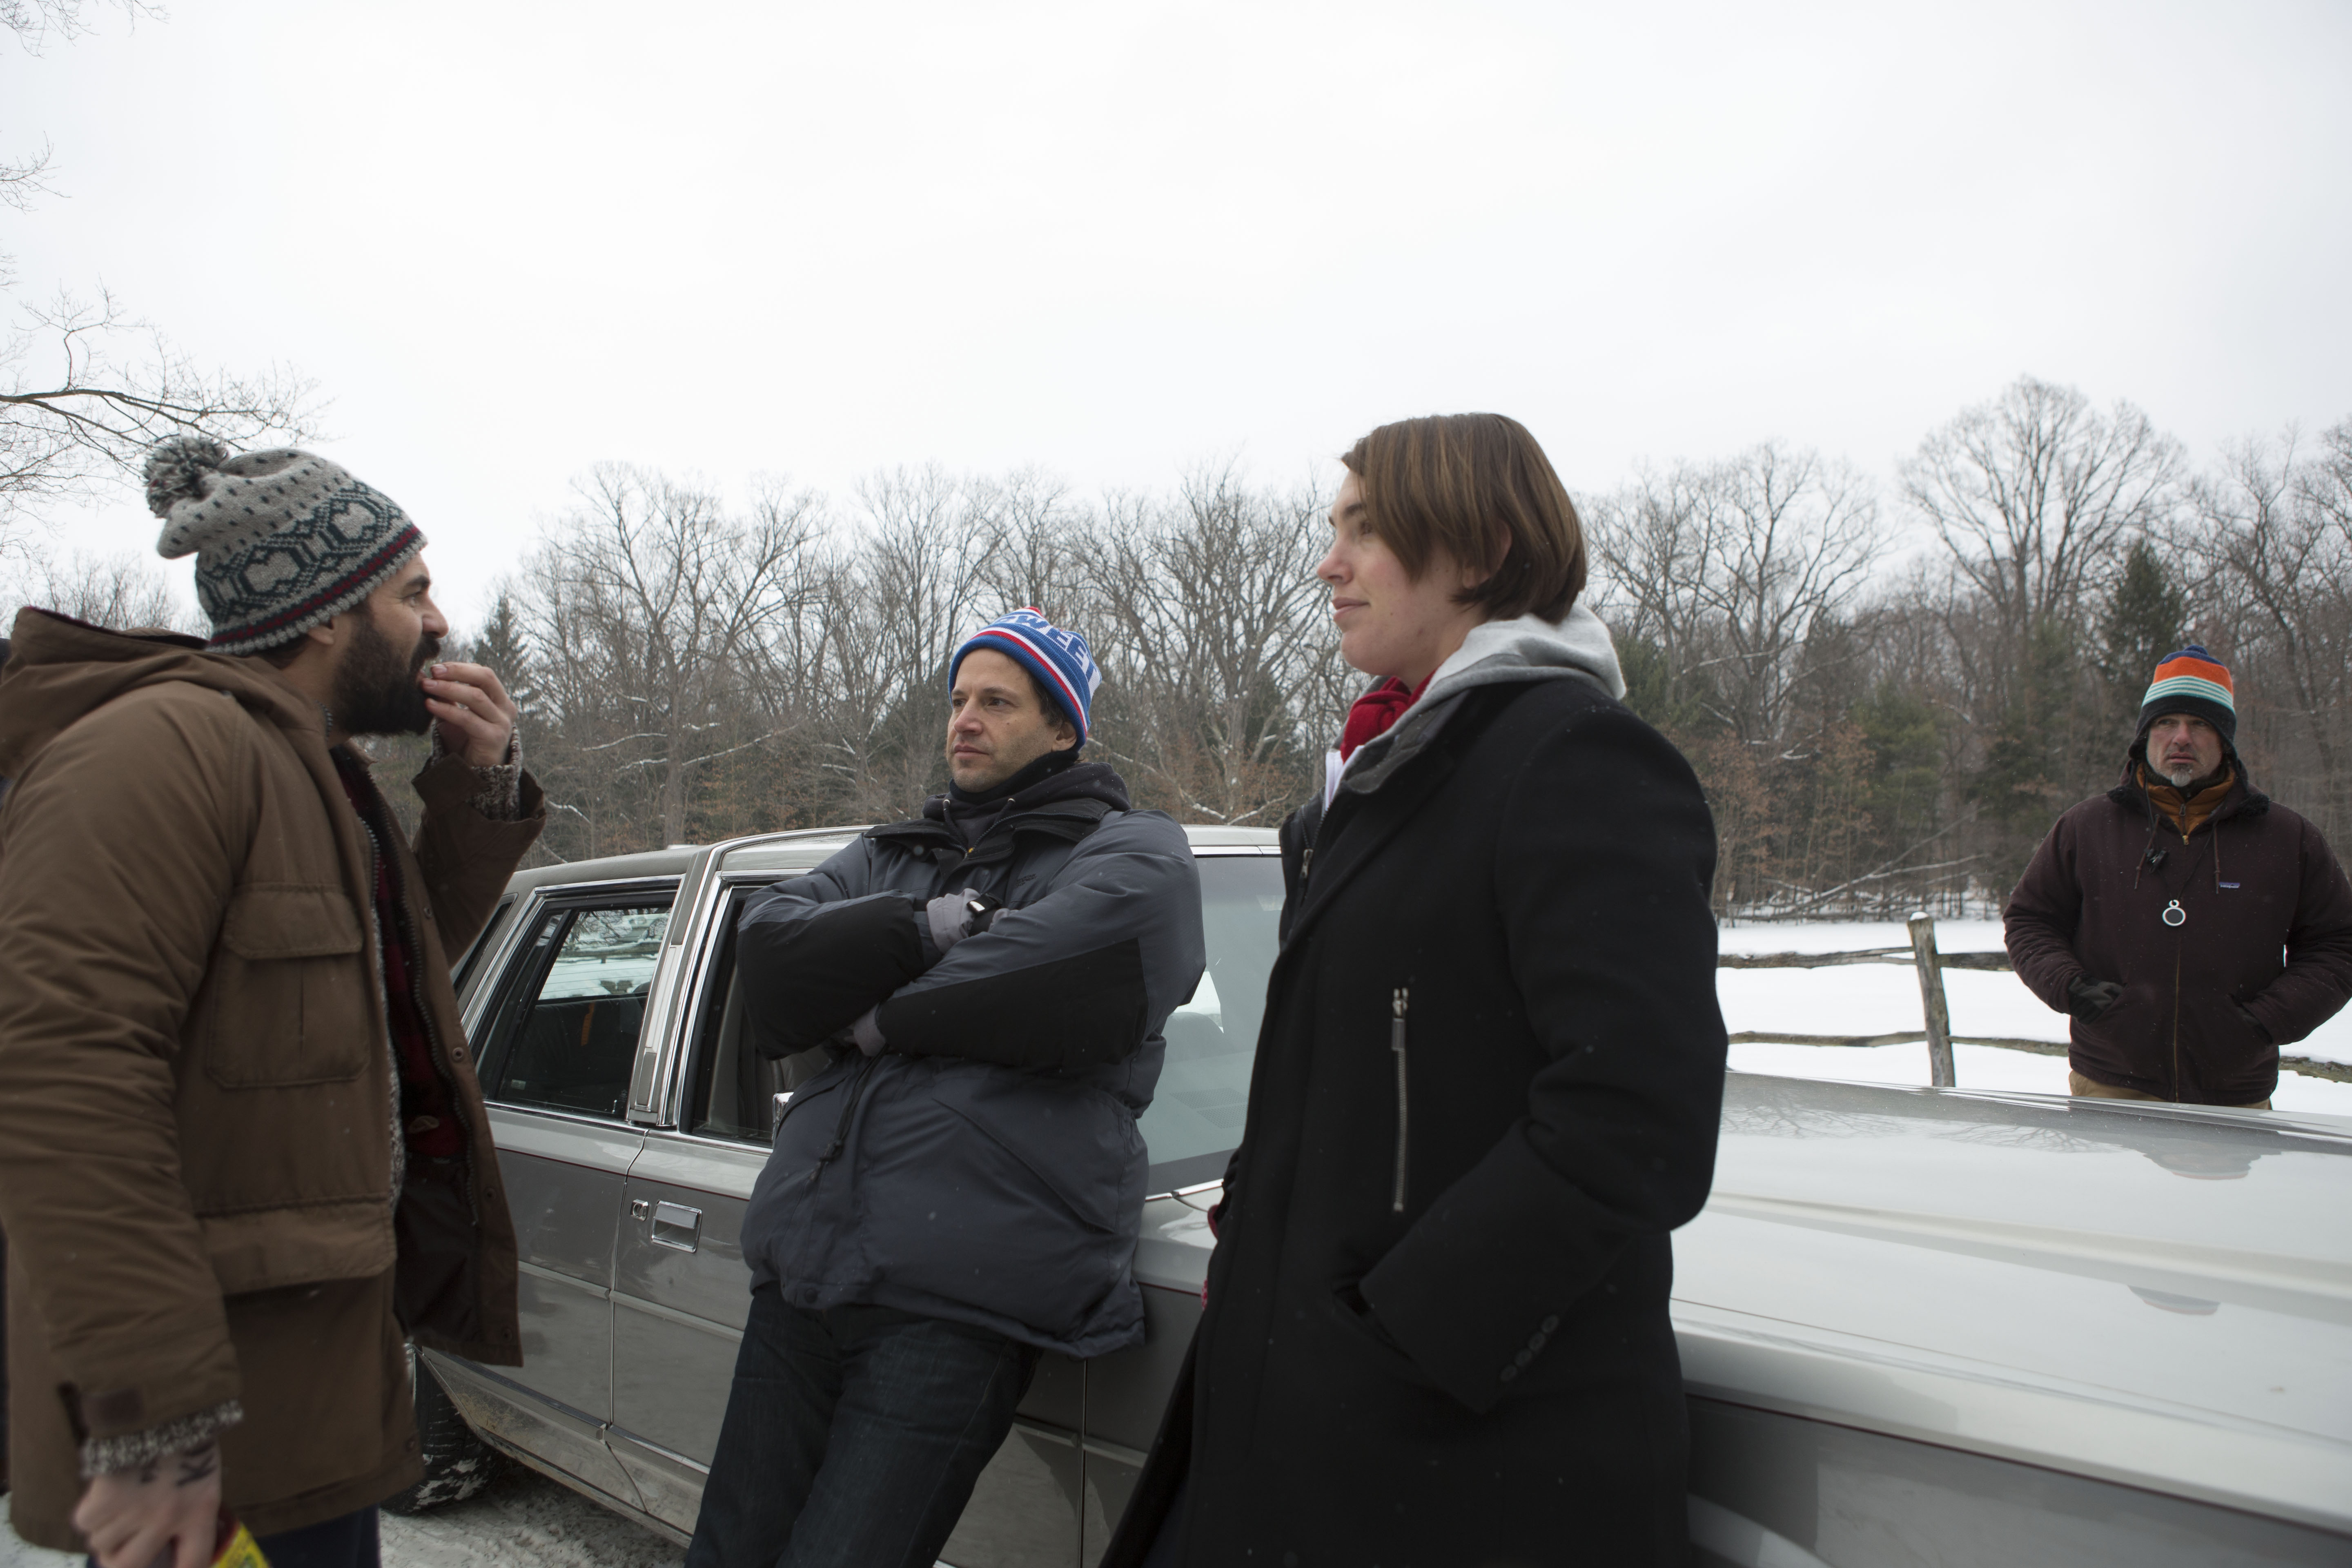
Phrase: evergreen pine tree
pixel 2143 623
pixel 500 645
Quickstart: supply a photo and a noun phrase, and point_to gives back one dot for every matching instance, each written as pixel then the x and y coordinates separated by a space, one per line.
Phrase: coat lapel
pixel 1366 822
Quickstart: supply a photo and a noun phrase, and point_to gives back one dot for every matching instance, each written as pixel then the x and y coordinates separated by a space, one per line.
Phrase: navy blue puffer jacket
pixel 986 1167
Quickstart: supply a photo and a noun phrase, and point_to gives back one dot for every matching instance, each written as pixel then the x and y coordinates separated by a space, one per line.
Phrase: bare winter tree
pixel 646 608
pixel 85 388
pixel 119 592
pixel 2273 534
pixel 1733 567
pixel 2035 497
pixel 913 587
pixel 34 22
pixel 1040 546
pixel 1215 637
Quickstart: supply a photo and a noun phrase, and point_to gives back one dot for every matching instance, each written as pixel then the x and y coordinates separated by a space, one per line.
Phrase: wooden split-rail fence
pixel 1937 1016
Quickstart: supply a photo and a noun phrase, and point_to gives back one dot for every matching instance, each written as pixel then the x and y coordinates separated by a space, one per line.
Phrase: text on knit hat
pixel 1059 659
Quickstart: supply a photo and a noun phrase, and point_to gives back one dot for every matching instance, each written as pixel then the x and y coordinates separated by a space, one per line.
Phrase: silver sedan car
pixel 1917 1327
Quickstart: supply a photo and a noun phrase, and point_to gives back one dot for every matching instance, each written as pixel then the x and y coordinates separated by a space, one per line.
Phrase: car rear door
pixel 558 1039
pixel 682 1290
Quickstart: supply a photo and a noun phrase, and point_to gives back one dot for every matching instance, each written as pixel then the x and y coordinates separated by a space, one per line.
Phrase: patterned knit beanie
pixel 2194 682
pixel 1059 660
pixel 283 541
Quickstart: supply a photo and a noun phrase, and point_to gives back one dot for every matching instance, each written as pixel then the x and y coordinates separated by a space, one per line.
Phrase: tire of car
pixel 458 1464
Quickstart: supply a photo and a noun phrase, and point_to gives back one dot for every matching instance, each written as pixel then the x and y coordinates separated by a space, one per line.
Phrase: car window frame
pixel 519 966
pixel 1164 1179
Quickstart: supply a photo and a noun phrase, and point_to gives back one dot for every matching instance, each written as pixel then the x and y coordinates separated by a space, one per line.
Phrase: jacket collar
pixel 1068 804
pixel 1360 821
pixel 2242 799
pixel 1497 653
pixel 1082 781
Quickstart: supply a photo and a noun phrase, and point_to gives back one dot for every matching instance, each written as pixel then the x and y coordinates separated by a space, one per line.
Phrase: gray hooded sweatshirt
pixel 1527 648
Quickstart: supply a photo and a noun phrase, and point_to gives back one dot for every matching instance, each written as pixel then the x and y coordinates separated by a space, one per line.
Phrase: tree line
pixel 1878 735
pixel 1888 689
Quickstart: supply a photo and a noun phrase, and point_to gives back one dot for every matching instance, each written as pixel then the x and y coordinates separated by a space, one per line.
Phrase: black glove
pixel 2088 999
pixel 2252 1023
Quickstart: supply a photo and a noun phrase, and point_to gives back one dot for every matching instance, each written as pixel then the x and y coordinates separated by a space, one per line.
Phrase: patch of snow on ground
pixel 1881 998
pixel 522 1517
pixel 521 1520
pixel 15 1554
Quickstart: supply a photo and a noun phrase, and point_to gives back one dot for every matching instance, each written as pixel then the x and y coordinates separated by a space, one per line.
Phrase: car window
pixel 564 1034
pixel 735 1083
pixel 1195 1119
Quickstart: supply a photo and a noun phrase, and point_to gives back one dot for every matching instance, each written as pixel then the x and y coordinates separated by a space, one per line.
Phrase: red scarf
pixel 1376 710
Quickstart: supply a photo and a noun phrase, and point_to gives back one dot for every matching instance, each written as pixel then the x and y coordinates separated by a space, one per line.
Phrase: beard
pixel 377 692
pixel 2182 777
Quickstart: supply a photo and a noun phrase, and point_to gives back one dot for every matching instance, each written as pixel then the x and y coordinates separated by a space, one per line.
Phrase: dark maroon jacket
pixel 2266 926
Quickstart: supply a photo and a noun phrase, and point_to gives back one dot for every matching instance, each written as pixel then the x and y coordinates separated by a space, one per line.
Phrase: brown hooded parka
pixel 197 1085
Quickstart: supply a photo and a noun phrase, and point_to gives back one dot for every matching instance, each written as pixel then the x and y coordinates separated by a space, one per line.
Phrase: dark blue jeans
pixel 853 1437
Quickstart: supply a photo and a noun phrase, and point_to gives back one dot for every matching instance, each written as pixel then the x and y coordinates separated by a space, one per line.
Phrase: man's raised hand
pixel 476 716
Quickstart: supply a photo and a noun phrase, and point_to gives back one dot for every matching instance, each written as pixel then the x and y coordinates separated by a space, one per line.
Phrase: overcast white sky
pixel 512 240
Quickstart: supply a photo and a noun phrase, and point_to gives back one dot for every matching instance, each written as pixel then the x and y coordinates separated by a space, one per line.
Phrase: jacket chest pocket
pixel 291 995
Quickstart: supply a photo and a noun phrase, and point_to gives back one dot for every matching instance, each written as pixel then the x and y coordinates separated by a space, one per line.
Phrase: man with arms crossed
pixel 961 1188
pixel 2190 924
pixel 243 1153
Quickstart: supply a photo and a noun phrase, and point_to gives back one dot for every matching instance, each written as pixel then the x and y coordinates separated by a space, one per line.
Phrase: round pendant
pixel 2174 914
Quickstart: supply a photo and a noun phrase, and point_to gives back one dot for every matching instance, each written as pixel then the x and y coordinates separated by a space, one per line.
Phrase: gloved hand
pixel 2087 999
pixel 2251 1022
pixel 952 917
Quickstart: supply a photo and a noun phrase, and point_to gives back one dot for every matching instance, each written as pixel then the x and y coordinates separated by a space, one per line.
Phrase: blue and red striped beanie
pixel 2192 681
pixel 1058 659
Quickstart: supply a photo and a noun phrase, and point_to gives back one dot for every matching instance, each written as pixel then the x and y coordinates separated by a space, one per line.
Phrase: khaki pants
pixel 2092 1089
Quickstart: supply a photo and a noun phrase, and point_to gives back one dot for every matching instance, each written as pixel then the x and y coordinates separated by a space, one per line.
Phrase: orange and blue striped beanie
pixel 2192 681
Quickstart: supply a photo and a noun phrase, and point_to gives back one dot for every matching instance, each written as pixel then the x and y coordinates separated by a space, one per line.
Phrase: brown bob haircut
pixel 1477 487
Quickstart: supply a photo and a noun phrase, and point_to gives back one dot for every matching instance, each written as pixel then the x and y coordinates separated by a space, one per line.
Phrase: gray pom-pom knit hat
pixel 284 541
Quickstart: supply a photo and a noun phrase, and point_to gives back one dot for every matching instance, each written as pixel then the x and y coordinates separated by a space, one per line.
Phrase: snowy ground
pixel 520 1519
pixel 1878 999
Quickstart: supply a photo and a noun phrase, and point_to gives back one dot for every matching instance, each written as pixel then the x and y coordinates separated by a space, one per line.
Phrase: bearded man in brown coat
pixel 243 1153
pixel 2190 924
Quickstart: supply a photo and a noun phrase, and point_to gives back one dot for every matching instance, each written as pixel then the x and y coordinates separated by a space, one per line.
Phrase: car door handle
pixel 677 1225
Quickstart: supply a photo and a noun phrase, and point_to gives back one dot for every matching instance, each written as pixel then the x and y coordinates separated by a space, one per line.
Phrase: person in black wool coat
pixel 1487 1083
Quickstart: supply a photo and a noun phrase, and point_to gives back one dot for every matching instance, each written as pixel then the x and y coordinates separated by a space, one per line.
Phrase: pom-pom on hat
pixel 284 541
pixel 1060 660
pixel 2191 681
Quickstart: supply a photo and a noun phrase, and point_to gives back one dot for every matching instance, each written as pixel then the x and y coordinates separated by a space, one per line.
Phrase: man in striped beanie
pixel 2157 914
pixel 244 1157
pixel 986 986
pixel 2189 720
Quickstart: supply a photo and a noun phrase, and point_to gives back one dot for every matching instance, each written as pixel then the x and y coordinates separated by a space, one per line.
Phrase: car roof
pixel 786 852
pixel 796 850
pixel 2162 1290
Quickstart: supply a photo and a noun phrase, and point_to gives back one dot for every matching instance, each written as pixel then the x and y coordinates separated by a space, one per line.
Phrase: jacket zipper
pixel 841 1127
pixel 2176 1021
pixel 423 1014
pixel 1396 1044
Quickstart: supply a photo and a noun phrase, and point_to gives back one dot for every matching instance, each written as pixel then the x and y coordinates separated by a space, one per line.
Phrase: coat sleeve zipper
pixel 1396 1044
